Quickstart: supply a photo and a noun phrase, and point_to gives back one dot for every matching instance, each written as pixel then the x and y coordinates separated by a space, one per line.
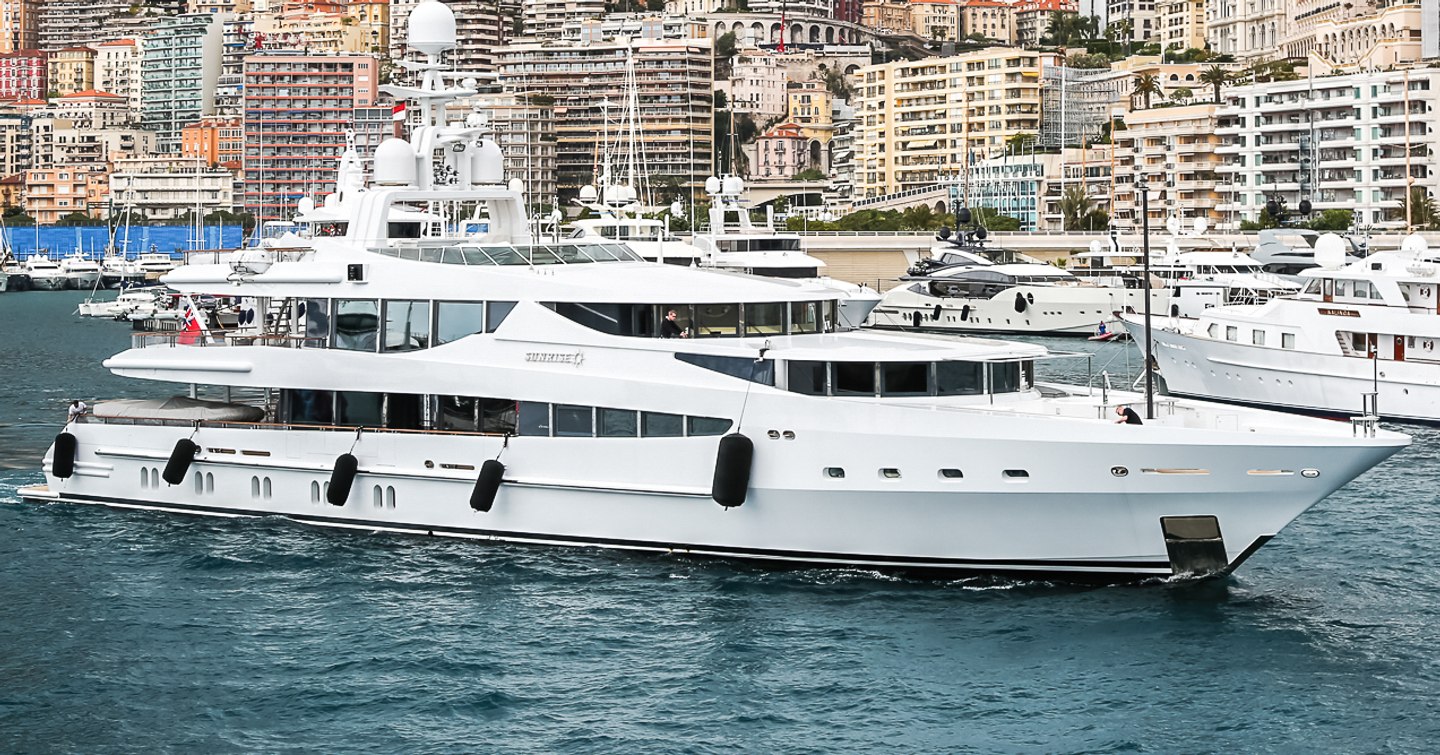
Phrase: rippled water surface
pixel 145 632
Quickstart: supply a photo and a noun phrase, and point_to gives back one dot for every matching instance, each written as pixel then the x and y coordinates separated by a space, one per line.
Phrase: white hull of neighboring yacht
pixel 1073 513
pixel 1062 310
pixel 48 281
pixel 1330 384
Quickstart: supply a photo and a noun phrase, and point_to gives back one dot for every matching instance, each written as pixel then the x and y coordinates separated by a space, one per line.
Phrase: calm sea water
pixel 145 632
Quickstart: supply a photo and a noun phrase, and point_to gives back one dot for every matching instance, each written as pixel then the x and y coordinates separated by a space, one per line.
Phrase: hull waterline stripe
pixel 1150 567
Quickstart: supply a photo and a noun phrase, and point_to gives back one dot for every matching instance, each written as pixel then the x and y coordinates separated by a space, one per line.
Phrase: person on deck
pixel 1127 416
pixel 77 410
pixel 669 328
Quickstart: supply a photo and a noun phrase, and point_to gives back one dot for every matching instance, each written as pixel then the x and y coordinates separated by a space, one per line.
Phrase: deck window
pixel 1232 333
pixel 959 378
pixel 534 418
pixel 619 423
pixel 1005 377
pixel 357 324
pixel 407 325
pixel 358 408
pixel 806 377
pixel 496 312
pixel 764 319
pixel 1287 340
pixel 317 318
pixel 403 411
pixel 457 413
pixel 804 317
pixel 574 421
pixel 707 426
pixel 1257 337
pixel 311 407
pixel 905 379
pixel 717 319
pixel 498 415
pixel 854 378
pixel 755 370
pixel 456 319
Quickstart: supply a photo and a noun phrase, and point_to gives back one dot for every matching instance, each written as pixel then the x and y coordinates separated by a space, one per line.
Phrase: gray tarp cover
pixel 179 407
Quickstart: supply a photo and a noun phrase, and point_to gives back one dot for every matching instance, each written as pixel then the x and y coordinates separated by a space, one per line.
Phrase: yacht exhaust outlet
pixel 487 485
pixel 732 470
pixel 1194 544
pixel 341 479
pixel 180 459
pixel 62 463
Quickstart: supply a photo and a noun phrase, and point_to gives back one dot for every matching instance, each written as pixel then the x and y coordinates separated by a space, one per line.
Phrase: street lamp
pixel 1149 350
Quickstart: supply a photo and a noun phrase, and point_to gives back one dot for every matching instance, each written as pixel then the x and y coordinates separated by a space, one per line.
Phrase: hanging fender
pixel 965 313
pixel 341 478
pixel 936 316
pixel 487 485
pixel 915 318
pixel 180 459
pixel 62 462
pixel 1019 302
pixel 732 470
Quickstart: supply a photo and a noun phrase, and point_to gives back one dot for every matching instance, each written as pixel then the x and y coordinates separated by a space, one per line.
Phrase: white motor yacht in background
pixel 1286 252
pixel 425 380
pixel 617 220
pixel 45 273
pixel 129 304
pixel 967 286
pixel 154 265
pixel 1359 329
pixel 734 242
pixel 118 272
pixel 81 272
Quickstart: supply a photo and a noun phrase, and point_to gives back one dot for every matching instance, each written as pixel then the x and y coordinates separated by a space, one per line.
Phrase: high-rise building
pixel 19 25
pixel 481 27
pixel 675 83
pixel 16 140
pixel 1352 142
pixel 299 110
pixel 1173 149
pixel 118 64
pixel 524 127
pixel 216 140
pixel 925 121
pixel 181 68
pixel 168 188
pixel 544 19
pixel 71 70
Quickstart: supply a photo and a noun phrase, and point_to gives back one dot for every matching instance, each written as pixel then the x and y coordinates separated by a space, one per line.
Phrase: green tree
pixel 1333 220
pixel 837 84
pixel 1423 213
pixel 1146 86
pixel 810 174
pixel 1265 221
pixel 1017 143
pixel 991 219
pixel 76 218
pixel 1216 77
pixel 1075 207
pixel 1181 93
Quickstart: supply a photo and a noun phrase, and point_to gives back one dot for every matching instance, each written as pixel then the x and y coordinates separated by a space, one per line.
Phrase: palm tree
pixel 1216 77
pixel 1075 205
pixel 1147 86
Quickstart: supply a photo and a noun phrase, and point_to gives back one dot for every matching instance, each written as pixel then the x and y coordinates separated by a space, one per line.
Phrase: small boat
pixel 133 304
pixel 1112 335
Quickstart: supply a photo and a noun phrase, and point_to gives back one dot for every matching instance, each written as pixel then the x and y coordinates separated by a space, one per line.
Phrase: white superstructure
pixel 1368 327
pixel 409 377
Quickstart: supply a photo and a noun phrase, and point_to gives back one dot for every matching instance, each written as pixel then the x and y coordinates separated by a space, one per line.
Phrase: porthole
pixel 429 464
pixel 378 497
pixel 836 473
pixel 314 491
pixel 254 487
pixel 265 488
pixel 209 482
pixel 773 435
pixel 1119 471
pixel 1309 474
pixel 949 473
pixel 389 496
pixel 788 435
pixel 890 473
pixel 1016 474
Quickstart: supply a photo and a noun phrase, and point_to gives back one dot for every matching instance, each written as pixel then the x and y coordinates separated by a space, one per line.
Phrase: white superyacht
pixel 491 386
pixel 1360 331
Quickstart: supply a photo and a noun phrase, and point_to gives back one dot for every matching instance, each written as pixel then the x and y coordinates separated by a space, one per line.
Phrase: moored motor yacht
pixel 81 272
pixel 1360 332
pixel 411 377
pixel 45 273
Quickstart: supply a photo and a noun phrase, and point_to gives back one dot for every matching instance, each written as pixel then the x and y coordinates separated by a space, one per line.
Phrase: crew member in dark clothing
pixel 1127 416
pixel 669 328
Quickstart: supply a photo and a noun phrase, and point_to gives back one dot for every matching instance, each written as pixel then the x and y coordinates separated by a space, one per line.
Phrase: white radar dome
pixel 677 209
pixel 1414 245
pixel 1172 224
pixel 587 193
pixel 1095 247
pixel 487 164
pixel 394 163
pixel 432 28
pixel 1201 224
pixel 1330 251
pixel 517 186
pixel 733 185
pixel 305 205
pixel 712 185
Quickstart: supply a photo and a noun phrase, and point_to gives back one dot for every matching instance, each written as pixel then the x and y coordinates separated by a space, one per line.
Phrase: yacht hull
pixel 1297 380
pixel 82 281
pixel 1072 515
pixel 48 282
pixel 1050 310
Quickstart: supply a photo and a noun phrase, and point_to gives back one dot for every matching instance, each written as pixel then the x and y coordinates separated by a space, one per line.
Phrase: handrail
pixel 286 426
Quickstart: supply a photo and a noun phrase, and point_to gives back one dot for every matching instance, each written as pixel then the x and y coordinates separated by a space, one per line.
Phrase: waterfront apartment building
pixel 181 68
pixel 53 193
pixel 1174 150
pixel 987 19
pixel 756 86
pixel 923 121
pixel 1350 142
pixel 676 95
pixel 19 25
pixel 545 19
pixel 117 70
pixel 524 126
pixel 215 140
pixel 1032 19
pixel 935 19
pixel 1250 30
pixel 61 141
pixel 1181 24
pixel 1077 102
pixel 16 140
pixel 481 28
pixel 71 70
pixel 23 75
pixel 886 15
pixel 72 23
pixel 1335 36
pixel 93 109
pixel 780 153
pixel 298 111
pixel 167 188
pixel 1028 186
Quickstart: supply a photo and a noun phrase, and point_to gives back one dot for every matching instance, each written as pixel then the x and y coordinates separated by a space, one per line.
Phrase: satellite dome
pixel 305 205
pixel 587 193
pixel 394 163
pixel 1414 245
pixel 733 185
pixel 517 186
pixel 712 185
pixel 1330 251
pixel 487 164
pixel 432 28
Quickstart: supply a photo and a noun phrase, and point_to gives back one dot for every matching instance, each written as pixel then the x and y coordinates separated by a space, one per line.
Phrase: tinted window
pixel 311 407
pixel 456 319
pixel 854 378
pixel 407 325
pixel 958 378
pixel 317 318
pixel 905 378
pixel 498 415
pixel 574 421
pixel 357 324
pixel 616 319
pixel 404 410
pixel 1005 377
pixel 745 368
pixel 804 317
pixel 357 408
pixel 709 426
pixel 457 413
pixel 717 319
pixel 619 423
pixel 657 425
pixel 534 418
pixel 495 313
pixel 764 319
pixel 807 377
